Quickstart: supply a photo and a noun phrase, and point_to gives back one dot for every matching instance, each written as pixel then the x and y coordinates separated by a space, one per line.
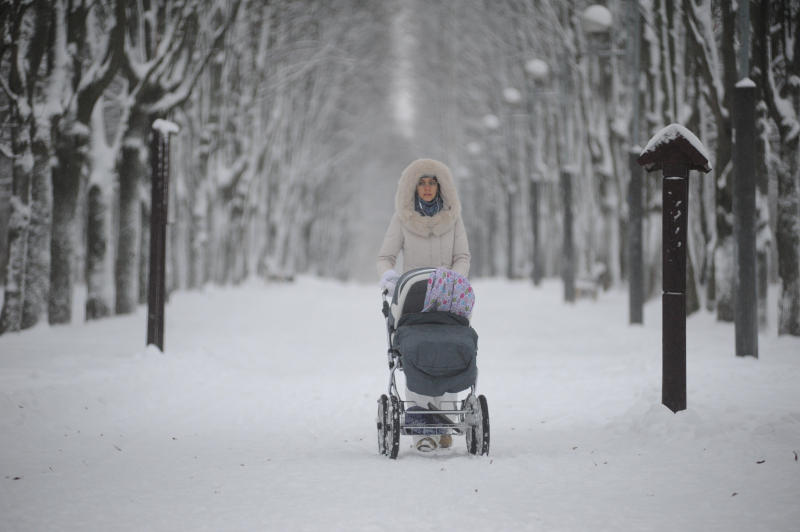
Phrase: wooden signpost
pixel 744 219
pixel 674 150
pixel 156 293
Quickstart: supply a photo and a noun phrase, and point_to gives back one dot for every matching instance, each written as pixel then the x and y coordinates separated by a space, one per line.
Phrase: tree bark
pixel 787 236
pixel 37 262
pixel 143 270
pixel 782 98
pixel 89 78
pixel 19 226
pixel 723 254
pixel 28 274
pixel 71 156
pixel 132 168
pixel 28 270
pixel 98 246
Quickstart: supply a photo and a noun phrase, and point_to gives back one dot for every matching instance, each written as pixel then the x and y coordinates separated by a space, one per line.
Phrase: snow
pixel 635 149
pixel 260 415
pixel 746 83
pixel 165 127
pixel 670 133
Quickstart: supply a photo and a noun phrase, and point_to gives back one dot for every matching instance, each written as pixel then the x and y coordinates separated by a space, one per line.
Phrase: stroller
pixel 437 352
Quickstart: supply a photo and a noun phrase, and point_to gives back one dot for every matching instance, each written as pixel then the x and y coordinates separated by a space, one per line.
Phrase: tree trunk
pixel 19 227
pixel 764 236
pixel 98 246
pixel 787 236
pixel 723 177
pixel 28 269
pixel 132 169
pixel 71 155
pixel 37 252
pixel 143 271
pixel 198 236
pixel 782 98
pixel 28 274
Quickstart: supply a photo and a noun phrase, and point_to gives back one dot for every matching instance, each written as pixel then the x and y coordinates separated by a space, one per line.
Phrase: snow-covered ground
pixel 260 416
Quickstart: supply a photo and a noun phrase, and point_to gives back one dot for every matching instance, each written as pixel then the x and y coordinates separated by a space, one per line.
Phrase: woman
pixel 428 230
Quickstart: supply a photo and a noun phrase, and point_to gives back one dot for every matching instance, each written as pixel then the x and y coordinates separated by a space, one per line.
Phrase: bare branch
pixel 177 97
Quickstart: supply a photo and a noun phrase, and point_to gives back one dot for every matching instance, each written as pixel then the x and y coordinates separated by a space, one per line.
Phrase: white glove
pixel 388 281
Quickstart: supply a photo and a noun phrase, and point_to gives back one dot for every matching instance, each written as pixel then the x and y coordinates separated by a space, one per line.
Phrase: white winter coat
pixel 425 241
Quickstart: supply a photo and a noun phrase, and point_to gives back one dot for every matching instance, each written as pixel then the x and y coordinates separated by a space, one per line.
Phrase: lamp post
pixel 597 21
pixel 514 178
pixel 491 123
pixel 156 293
pixel 481 257
pixel 538 71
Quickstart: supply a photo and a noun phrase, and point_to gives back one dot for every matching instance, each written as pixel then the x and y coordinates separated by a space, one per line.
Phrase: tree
pixel 717 68
pixel 33 47
pixel 167 46
pixel 94 35
pixel 777 50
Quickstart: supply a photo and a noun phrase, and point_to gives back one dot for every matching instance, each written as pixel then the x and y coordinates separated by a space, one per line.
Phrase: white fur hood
pixel 442 221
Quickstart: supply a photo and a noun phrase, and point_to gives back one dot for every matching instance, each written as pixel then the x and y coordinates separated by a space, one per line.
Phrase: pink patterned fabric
pixel 449 291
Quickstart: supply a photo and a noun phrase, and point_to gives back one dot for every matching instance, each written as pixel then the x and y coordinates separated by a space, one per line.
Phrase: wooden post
pixel 674 150
pixel 156 293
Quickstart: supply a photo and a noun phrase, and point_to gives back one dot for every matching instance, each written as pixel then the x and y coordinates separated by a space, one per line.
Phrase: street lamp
pixel 539 72
pixel 596 19
pixel 512 95
pixel 538 69
pixel 491 122
pixel 513 98
pixel 597 22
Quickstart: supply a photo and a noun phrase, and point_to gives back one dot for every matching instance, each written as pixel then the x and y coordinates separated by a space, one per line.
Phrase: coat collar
pixel 415 222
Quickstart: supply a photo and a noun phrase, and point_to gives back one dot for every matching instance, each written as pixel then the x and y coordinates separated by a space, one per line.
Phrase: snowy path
pixel 260 416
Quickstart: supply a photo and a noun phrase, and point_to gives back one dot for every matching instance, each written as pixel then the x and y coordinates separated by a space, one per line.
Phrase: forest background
pixel 296 118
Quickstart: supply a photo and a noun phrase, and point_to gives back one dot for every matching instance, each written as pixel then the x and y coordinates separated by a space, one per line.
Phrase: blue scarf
pixel 428 208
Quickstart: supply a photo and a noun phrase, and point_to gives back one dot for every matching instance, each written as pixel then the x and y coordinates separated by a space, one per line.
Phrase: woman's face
pixel 427 187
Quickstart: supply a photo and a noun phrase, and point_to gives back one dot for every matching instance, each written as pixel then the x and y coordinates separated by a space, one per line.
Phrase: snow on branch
pixel 700 25
pixel 176 95
pixel 6 152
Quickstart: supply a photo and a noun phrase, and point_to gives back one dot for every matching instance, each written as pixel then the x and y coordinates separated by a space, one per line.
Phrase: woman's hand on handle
pixel 388 281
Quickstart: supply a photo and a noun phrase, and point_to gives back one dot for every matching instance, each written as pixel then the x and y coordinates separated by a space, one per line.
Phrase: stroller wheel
pixel 478 431
pixel 393 434
pixel 383 426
